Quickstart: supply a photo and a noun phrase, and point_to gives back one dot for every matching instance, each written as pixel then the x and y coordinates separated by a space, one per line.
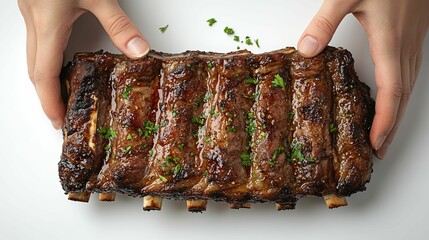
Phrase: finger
pixel 49 58
pixel 120 28
pixel 388 78
pixel 322 27
pixel 31 40
pixel 406 75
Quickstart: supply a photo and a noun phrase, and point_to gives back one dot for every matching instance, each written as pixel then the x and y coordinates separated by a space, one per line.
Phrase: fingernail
pixel 137 47
pixel 57 124
pixel 379 142
pixel 308 46
pixel 381 153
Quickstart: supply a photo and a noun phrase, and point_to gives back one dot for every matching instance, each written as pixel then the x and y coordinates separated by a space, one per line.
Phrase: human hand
pixel 49 24
pixel 396 30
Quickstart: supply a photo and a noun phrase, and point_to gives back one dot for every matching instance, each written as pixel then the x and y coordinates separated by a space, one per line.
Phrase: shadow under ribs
pixel 236 127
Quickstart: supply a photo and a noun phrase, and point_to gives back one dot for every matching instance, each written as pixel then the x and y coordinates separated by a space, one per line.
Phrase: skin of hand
pixel 49 25
pixel 396 30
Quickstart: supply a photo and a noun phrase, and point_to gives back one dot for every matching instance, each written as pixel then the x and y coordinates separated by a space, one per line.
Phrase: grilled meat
pixel 236 127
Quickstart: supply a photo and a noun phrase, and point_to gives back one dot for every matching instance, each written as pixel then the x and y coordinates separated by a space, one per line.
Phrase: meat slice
pixel 311 150
pixel 354 111
pixel 226 140
pixel 175 165
pixel 135 97
pixel 271 174
pixel 236 127
pixel 87 80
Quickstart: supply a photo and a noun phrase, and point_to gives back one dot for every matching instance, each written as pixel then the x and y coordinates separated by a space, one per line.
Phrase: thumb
pixel 322 27
pixel 124 34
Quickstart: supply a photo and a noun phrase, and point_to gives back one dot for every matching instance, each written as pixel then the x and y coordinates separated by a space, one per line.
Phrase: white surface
pixel 33 206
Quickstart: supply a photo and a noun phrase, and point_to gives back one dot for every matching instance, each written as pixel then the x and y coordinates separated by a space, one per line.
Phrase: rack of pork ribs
pixel 238 127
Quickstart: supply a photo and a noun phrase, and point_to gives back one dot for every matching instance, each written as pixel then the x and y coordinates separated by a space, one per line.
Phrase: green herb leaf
pixel 332 128
pixel 150 128
pixel 250 80
pixel 205 173
pixel 127 149
pixel 175 112
pixel 248 41
pixel 126 92
pixel 176 169
pixel 129 136
pixel 164 179
pixel 151 153
pixel 107 133
pixel 228 30
pixel 245 160
pixel 277 152
pixel 181 147
pixel 236 38
pixel 140 132
pixel 257 43
pixel 209 64
pixel 211 21
pixel 232 129
pixel 163 29
pixel 107 147
pixel 278 82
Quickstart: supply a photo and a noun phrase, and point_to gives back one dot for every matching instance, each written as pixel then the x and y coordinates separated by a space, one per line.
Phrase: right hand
pixel 49 25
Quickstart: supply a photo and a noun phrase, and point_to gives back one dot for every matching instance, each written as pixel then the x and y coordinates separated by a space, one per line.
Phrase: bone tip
pixel 196 205
pixel 285 206
pixel 152 203
pixel 79 196
pixel 240 205
pixel 334 201
pixel 107 197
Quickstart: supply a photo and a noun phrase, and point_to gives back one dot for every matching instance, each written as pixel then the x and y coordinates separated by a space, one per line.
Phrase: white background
pixel 32 203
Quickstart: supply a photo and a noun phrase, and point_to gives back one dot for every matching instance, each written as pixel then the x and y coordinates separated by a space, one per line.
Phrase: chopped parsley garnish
pixel 175 112
pixel 250 80
pixel 209 64
pixel 291 114
pixel 278 82
pixel 107 133
pixel 127 149
pixel 126 92
pixel 150 128
pixel 205 173
pixel 129 136
pixel 236 38
pixel 296 149
pixel 332 128
pixel 151 153
pixel 238 47
pixel 107 147
pixel 248 41
pixel 181 147
pixel 232 129
pixel 277 152
pixel 164 179
pixel 257 43
pixel 211 21
pixel 176 169
pixel 245 160
pixel 140 132
pixel 254 95
pixel 199 120
pixel 228 30
pixel 250 124
pixel 163 29
pixel 206 97
pixel 263 134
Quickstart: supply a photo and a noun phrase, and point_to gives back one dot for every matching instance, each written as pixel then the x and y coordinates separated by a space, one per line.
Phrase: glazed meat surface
pixel 236 127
